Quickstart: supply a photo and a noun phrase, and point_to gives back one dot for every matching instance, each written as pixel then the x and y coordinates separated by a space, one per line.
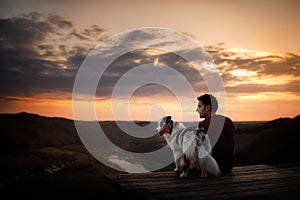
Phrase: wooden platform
pixel 247 182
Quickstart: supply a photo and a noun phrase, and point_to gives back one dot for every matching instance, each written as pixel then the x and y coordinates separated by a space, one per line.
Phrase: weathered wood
pixel 246 182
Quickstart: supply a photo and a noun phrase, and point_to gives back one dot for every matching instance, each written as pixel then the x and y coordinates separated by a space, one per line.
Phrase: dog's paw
pixel 204 174
pixel 183 175
pixel 177 170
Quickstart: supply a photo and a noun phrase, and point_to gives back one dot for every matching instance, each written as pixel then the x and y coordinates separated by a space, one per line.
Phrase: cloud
pixel 172 71
pixel 93 33
pixel 266 64
pixel 32 28
pixel 289 64
pixel 256 67
pixel 42 54
pixel 135 54
pixel 37 56
pixel 59 21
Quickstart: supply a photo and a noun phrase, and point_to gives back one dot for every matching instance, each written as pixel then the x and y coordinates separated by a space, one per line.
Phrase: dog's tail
pixel 210 165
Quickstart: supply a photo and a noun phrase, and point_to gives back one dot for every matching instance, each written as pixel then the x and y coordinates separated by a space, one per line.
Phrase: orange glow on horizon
pixel 246 107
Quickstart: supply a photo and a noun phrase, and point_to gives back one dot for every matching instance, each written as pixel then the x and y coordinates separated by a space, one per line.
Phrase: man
pixel 223 151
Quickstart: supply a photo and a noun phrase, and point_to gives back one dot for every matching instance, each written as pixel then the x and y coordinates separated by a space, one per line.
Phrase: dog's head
pixel 165 125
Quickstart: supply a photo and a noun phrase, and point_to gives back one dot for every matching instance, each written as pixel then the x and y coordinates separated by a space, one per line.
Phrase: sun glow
pixel 248 53
pixel 269 96
pixel 242 73
pixel 38 104
pixel 156 61
pixel 262 106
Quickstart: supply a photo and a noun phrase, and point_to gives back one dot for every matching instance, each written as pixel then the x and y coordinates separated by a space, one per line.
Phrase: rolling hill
pixel 44 152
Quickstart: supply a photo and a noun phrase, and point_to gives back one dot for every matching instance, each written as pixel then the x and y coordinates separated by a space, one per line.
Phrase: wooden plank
pixel 166 176
pixel 205 189
pixel 256 182
pixel 233 192
pixel 171 175
pixel 186 187
pixel 166 180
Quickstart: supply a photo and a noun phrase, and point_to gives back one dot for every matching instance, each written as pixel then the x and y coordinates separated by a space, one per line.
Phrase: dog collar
pixel 200 133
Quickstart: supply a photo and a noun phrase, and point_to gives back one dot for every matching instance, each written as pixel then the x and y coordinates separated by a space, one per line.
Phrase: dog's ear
pixel 169 120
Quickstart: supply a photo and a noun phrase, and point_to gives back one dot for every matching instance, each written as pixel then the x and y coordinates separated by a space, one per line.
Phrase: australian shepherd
pixel 191 148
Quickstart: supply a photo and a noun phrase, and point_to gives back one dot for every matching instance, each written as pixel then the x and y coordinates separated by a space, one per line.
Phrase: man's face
pixel 202 109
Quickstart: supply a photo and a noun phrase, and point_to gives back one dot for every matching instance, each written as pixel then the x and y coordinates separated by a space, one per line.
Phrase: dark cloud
pixel 93 33
pixel 159 53
pixel 23 31
pixel 59 21
pixel 127 62
pixel 136 36
pixel 35 55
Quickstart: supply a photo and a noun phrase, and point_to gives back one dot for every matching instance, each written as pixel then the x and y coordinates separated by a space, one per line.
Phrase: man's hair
pixel 208 99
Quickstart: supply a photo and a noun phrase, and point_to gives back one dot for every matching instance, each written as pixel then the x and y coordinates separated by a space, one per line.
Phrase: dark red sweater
pixel 224 149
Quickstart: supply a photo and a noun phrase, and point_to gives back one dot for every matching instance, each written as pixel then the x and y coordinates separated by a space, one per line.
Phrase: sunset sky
pixel 253 44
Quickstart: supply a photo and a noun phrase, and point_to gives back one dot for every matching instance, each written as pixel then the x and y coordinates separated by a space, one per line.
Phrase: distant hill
pixel 43 158
pixel 274 143
pixel 23 130
pixel 33 143
pixel 37 146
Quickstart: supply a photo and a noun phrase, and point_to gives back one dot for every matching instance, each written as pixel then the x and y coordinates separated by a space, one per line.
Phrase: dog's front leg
pixel 178 161
pixel 203 168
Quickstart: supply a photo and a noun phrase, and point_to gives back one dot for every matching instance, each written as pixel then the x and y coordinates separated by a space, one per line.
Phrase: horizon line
pixel 108 120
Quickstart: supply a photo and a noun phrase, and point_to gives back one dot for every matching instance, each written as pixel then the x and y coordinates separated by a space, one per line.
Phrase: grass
pixel 33 174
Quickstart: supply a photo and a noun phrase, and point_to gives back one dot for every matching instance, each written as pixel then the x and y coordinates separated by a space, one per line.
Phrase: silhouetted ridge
pixel 37 150
pixel 276 142
pixel 297 118
pixel 25 130
pixel 283 123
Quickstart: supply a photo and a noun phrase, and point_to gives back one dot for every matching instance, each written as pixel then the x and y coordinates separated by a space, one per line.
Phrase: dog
pixel 191 148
